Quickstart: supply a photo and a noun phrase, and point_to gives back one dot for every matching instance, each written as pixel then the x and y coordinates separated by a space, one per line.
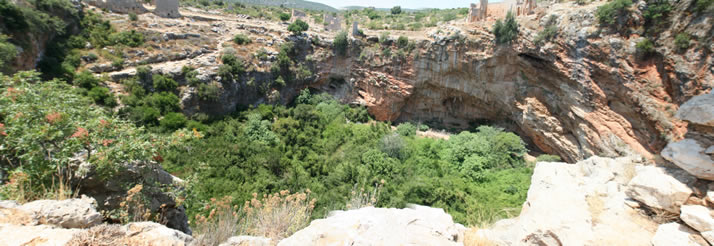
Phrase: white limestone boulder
pixel 690 156
pixel 69 213
pixel 675 234
pixel 247 241
pixel 415 225
pixel 698 110
pixel 698 217
pixel 658 189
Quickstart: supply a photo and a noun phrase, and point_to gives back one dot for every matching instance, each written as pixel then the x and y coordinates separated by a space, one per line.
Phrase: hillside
pixel 298 4
pixel 565 123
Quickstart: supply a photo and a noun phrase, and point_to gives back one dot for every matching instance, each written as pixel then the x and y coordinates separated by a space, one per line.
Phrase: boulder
pixel 690 156
pixel 415 225
pixel 70 213
pixel 698 110
pixel 576 204
pixel 708 235
pixel 658 189
pixel 675 234
pixel 35 235
pixel 698 217
pixel 141 233
pixel 247 241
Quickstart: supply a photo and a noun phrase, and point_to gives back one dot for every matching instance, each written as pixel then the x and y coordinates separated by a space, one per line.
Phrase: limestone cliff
pixel 587 92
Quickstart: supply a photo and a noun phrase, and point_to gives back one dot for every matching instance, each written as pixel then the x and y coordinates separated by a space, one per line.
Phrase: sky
pixel 410 4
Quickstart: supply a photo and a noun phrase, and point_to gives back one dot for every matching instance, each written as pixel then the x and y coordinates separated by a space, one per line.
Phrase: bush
pixel 703 5
pixel 163 83
pixel 285 16
pixel 645 47
pixel 209 92
pixel 129 38
pixel 549 32
pixel 298 27
pixel 241 39
pixel 548 158
pixel 656 11
pixel 190 75
pixel 341 43
pixel 682 41
pixel 102 95
pixel 133 17
pixel 402 42
pixel 609 12
pixel 384 38
pixel 506 30
pixel 232 67
pixel 86 80
pixel 8 51
pixel 173 121
pixel 165 102
pixel 406 129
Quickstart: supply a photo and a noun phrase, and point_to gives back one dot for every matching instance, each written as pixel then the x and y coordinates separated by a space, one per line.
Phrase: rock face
pixel 416 225
pixel 580 204
pixel 690 156
pixel 167 8
pixel 694 153
pixel 698 217
pixel 655 188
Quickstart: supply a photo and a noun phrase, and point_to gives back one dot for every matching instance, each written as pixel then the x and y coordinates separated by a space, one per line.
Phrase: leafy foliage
pixel 506 30
pixel 549 32
pixel 8 51
pixel 608 13
pixel 396 10
pixel 298 27
pixel 704 5
pixel 682 41
pixel 320 144
pixel 656 12
pixel 241 39
pixel 285 16
pixel 645 47
pixel 341 43
pixel 129 38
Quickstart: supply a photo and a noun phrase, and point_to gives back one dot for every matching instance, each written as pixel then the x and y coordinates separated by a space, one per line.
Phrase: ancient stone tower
pixel 167 8
pixel 355 29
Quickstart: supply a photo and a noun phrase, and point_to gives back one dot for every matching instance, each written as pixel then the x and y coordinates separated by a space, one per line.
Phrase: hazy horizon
pixel 411 4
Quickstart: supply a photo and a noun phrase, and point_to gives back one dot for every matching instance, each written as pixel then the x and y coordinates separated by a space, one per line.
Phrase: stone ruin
pixel 478 12
pixel 298 15
pixel 167 8
pixel 355 29
pixel 119 6
pixel 525 7
pixel 332 23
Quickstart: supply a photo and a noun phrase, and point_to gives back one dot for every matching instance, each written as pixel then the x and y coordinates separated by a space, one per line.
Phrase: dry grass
pixel 102 235
pixel 360 198
pixel 275 216
pixel 133 208
pixel 20 187
pixel 472 238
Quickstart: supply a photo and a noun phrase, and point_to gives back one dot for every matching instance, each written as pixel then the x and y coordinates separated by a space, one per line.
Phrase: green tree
pixel 609 13
pixel 341 43
pixel 506 30
pixel 173 121
pixel 8 51
pixel 396 10
pixel 285 16
pixel 163 83
pixel 298 26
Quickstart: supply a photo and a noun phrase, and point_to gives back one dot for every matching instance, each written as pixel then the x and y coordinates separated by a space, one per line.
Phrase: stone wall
pixel 119 6
pixel 167 8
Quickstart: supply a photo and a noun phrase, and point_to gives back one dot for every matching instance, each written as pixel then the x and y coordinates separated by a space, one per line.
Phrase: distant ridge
pixel 298 4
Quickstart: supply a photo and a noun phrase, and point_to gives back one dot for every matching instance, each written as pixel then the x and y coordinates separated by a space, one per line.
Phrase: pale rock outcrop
pixel 70 213
pixel 40 235
pixel 415 225
pixel 658 189
pixel 708 235
pixel 139 233
pixel 690 156
pixel 576 204
pixel 698 110
pixel 676 234
pixel 247 241
pixel 697 217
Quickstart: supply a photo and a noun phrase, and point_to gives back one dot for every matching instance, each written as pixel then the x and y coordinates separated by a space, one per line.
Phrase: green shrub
pixel 165 102
pixel 656 12
pixel 506 30
pixel 406 129
pixel 384 38
pixel 285 16
pixel 163 83
pixel 86 80
pixel 129 38
pixel 102 95
pixel 232 67
pixel 280 81
pixel 298 26
pixel 682 41
pixel 133 17
pixel 242 39
pixel 145 115
pixel 609 12
pixel 402 42
pixel 173 121
pixel 549 32
pixel 8 51
pixel 645 47
pixel 209 92
pixel 190 75
pixel 341 43
pixel 703 5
